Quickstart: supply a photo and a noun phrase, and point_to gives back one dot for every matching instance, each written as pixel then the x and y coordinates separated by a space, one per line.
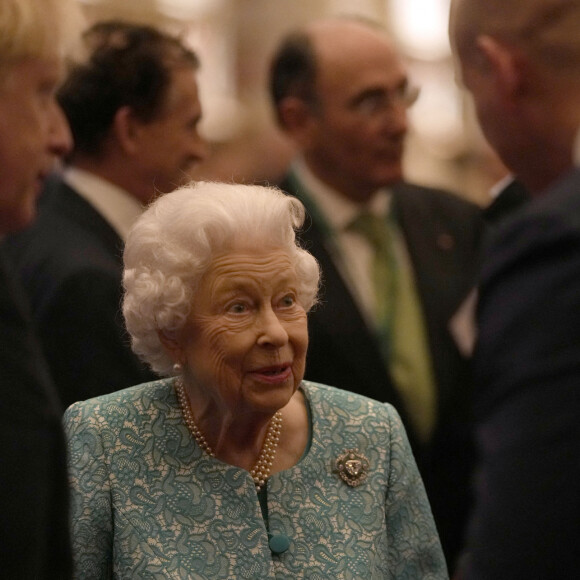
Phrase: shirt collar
pixel 338 210
pixel 116 205
pixel 501 185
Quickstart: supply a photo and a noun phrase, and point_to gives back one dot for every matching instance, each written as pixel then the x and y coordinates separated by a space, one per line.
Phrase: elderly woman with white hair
pixel 233 466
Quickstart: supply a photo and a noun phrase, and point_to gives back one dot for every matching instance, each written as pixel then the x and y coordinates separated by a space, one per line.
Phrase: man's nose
pixel 397 120
pixel 60 136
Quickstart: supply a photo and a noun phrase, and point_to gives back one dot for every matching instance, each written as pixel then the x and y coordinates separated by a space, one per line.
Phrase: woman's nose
pixel 272 330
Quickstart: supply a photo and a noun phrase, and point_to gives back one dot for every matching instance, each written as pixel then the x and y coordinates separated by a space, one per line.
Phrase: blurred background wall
pixel 235 39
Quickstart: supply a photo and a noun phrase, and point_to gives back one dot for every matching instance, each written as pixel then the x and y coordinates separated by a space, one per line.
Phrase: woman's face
pixel 244 345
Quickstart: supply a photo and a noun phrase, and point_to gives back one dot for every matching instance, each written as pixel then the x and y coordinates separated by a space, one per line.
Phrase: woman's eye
pixel 288 300
pixel 237 308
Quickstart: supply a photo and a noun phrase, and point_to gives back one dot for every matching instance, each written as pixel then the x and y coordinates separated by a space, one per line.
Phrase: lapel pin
pixel 445 241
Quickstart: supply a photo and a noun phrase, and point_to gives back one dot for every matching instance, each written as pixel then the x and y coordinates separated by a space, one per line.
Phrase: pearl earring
pixel 177 368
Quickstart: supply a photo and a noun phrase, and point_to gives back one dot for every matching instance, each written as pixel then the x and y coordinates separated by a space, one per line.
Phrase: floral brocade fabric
pixel 148 503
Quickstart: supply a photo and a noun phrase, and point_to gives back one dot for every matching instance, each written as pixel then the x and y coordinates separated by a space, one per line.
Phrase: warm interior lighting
pixel 421 27
pixel 184 8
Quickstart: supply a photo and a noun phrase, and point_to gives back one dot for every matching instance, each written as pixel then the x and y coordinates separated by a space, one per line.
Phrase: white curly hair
pixel 172 245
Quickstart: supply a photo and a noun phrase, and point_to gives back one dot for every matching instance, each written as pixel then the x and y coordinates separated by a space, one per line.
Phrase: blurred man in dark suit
pixel 34 533
pixel 521 62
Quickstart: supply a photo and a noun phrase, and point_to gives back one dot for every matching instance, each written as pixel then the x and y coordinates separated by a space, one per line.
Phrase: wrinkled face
pixel 245 343
pixel 170 145
pixel 33 132
pixel 360 122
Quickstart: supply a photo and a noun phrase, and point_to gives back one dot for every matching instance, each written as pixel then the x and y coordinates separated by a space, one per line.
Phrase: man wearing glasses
pixel 397 259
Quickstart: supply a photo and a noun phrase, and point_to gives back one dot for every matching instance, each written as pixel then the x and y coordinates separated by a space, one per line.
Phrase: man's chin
pixel 391 178
pixel 21 218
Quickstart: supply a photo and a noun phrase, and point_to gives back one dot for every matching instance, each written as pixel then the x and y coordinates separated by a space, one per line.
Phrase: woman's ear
pixel 172 345
pixel 296 118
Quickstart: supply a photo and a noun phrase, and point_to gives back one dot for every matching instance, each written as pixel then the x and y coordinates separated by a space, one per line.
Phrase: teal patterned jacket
pixel 148 503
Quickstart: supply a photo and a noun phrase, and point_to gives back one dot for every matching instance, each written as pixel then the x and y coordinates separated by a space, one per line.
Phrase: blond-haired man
pixel 33 133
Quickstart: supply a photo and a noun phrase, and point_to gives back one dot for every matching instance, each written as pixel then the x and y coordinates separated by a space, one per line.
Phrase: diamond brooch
pixel 352 467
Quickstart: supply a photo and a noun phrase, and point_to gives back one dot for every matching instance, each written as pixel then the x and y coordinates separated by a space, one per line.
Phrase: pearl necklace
pixel 261 470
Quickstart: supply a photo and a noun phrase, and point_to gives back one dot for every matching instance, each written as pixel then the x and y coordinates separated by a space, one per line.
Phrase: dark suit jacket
pixel 442 234
pixel 509 199
pixel 34 533
pixel 70 264
pixel 527 364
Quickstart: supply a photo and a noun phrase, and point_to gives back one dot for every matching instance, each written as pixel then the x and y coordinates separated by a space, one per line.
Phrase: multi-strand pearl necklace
pixel 261 470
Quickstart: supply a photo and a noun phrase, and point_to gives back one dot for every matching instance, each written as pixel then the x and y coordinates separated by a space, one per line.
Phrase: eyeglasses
pixel 379 101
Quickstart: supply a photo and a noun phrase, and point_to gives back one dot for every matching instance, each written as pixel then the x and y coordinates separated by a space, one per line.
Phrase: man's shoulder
pixel 67 229
pixel 435 198
pixel 427 209
pixel 59 210
pixel 556 211
pixel 561 200
pixel 542 237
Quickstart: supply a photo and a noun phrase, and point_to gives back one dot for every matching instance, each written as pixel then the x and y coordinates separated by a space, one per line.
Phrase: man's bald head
pixel 521 62
pixel 341 92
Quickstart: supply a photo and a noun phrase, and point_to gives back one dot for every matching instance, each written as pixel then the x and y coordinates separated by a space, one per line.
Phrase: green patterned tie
pixel 384 268
pixel 400 323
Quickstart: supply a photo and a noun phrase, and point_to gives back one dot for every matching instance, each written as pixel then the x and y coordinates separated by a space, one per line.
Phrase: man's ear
pixel 126 128
pixel 297 119
pixel 504 65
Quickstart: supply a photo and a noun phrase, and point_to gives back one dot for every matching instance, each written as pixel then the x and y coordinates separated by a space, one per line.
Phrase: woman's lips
pixel 273 374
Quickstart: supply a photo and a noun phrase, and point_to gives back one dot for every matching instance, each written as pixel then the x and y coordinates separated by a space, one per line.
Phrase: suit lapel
pixel 431 246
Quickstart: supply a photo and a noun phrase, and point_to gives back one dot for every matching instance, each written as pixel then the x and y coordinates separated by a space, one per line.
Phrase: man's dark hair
pixel 127 65
pixel 293 70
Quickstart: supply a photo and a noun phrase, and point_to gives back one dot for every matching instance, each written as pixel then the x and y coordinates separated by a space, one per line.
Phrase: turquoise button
pixel 279 543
